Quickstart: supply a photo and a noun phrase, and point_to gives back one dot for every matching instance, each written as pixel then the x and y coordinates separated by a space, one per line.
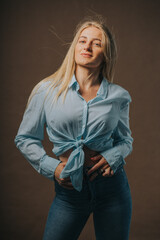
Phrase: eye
pixel 81 41
pixel 97 44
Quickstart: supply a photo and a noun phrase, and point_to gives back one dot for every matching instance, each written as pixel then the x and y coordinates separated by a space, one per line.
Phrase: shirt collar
pixel 102 91
pixel 73 81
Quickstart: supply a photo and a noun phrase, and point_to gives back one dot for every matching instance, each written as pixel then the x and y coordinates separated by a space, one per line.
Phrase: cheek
pixel 78 49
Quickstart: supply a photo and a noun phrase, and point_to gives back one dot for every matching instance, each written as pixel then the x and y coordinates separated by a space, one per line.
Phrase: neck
pixel 86 77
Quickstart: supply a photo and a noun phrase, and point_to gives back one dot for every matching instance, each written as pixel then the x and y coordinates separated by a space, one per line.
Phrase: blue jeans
pixel 108 198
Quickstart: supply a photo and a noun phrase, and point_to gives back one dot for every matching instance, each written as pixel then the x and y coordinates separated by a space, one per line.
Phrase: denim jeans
pixel 108 198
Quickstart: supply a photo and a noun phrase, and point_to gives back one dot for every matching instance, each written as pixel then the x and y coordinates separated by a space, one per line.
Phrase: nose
pixel 88 46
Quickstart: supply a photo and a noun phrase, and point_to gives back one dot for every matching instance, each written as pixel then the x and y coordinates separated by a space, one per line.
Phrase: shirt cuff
pixel 114 159
pixel 48 166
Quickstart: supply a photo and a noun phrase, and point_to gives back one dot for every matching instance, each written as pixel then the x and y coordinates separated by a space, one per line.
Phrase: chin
pixel 85 64
pixel 88 65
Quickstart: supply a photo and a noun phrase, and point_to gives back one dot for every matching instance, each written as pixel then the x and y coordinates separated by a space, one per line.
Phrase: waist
pixel 88 153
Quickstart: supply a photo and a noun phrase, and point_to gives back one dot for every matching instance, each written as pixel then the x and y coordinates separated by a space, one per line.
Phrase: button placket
pixel 85 115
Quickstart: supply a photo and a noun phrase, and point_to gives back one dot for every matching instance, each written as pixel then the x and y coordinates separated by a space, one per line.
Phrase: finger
pixel 104 167
pixel 57 180
pixel 112 173
pixel 64 180
pixel 96 166
pixel 93 176
pixel 96 158
pixel 106 172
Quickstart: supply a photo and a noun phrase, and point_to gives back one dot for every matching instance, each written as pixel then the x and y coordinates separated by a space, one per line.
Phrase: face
pixel 88 50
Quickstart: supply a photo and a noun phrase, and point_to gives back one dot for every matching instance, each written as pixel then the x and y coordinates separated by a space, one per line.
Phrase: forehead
pixel 91 32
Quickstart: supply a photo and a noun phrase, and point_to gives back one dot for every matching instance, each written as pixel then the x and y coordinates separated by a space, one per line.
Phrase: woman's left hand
pixel 101 167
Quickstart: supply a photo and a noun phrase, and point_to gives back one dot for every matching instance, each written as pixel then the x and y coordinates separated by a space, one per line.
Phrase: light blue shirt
pixel 102 122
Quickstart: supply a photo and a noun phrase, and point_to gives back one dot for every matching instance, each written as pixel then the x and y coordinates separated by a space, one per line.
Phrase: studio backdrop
pixel 35 37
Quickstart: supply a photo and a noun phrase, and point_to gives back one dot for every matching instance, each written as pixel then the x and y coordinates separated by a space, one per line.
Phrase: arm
pixel 30 135
pixel 122 145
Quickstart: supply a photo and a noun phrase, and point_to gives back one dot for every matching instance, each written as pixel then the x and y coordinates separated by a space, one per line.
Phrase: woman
pixel 87 120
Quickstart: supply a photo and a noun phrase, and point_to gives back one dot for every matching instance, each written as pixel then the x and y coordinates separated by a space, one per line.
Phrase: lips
pixel 86 55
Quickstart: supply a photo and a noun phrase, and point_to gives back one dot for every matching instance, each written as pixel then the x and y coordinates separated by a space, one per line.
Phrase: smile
pixel 87 55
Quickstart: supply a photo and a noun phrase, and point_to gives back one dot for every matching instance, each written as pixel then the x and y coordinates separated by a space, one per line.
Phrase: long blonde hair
pixel 63 75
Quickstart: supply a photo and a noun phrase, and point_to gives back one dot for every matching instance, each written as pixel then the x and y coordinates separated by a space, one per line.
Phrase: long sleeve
pixel 30 135
pixel 122 144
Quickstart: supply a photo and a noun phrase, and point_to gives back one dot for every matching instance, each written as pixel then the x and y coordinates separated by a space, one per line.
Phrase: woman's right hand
pixel 64 182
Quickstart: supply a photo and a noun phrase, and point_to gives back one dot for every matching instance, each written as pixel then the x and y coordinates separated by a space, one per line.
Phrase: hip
pixel 105 189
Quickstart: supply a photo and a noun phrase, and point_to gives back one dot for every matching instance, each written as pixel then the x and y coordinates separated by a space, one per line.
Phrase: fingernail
pixel 92 158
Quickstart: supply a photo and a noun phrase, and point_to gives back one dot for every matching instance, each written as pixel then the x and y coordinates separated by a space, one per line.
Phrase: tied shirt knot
pixel 79 143
pixel 74 165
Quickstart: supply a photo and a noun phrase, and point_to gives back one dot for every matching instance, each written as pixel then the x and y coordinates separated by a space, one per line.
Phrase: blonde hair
pixel 61 78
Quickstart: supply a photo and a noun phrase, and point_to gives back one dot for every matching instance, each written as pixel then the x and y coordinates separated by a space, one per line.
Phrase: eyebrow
pixel 93 38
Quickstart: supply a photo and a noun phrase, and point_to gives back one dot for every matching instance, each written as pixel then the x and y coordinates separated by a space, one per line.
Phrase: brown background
pixel 30 52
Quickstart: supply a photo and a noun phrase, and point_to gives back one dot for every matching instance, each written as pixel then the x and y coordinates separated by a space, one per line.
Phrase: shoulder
pixel 38 93
pixel 118 92
pixel 41 87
